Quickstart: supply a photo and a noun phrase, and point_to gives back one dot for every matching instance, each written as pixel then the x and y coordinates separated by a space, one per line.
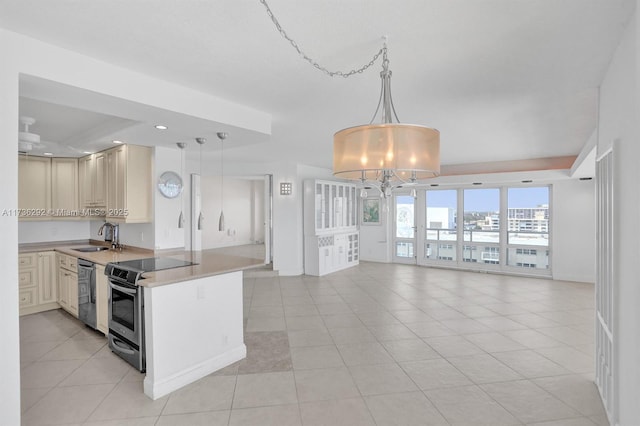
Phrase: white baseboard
pixel 155 389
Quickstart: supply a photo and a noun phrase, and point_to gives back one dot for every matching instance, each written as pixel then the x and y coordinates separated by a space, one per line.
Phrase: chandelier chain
pixel 304 56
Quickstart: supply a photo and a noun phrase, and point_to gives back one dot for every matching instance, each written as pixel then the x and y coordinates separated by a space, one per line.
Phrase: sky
pixel 488 199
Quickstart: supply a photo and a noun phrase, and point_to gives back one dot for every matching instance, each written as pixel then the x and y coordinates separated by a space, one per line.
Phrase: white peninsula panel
pixel 193 328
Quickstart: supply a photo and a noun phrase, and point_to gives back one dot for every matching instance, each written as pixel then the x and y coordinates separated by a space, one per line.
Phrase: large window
pixel 528 227
pixel 500 229
pixel 441 230
pixel 482 226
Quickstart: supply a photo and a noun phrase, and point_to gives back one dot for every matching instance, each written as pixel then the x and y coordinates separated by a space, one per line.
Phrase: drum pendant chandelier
pixel 386 155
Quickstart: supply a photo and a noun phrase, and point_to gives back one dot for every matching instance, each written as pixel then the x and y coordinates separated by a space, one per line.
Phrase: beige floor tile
pixel 255 390
pixel 392 332
pixel 499 323
pixel 570 358
pixel 580 421
pixel 29 396
pixel 33 351
pixel 210 393
pixel 301 338
pixel 141 421
pixel 577 391
pixel 380 317
pixel 451 346
pixel 533 320
pixel 127 400
pixel 75 349
pixel 530 364
pixel 47 373
pixel 406 409
pixel 409 350
pixel 381 379
pixel 316 357
pixel 333 308
pixel 429 329
pixel 265 324
pixel 470 406
pixel 493 342
pixel 567 335
pixel 528 402
pixel 66 405
pixel 279 415
pixel 342 320
pixel 98 371
pixel 434 374
pixel 484 368
pixel 364 354
pixel 211 418
pixel 324 384
pixel 351 335
pixel 309 322
pixel 532 339
pixel 465 326
pixel 300 310
pixel 342 412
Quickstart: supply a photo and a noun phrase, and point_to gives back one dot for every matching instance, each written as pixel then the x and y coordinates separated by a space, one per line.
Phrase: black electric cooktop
pixel 154 264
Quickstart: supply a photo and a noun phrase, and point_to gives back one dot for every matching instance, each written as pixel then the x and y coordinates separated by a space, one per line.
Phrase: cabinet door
pixel 64 188
pixel 34 183
pixel 99 179
pixel 102 300
pixel 47 288
pixel 85 172
pixel 72 285
pixel 63 288
pixel 116 182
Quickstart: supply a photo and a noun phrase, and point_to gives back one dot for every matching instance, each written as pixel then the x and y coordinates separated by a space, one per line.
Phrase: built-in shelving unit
pixel 331 238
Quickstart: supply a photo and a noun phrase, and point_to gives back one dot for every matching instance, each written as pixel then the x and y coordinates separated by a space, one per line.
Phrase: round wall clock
pixel 170 184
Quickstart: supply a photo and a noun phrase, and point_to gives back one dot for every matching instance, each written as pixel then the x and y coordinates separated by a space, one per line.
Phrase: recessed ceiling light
pixel 48 153
pixel 87 152
pixel 118 142
pixel 161 127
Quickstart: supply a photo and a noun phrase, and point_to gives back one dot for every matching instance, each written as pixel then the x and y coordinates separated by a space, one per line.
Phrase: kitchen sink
pixel 91 249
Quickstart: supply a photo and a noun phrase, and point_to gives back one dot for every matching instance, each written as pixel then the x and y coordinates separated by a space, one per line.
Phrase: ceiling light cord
pixel 313 62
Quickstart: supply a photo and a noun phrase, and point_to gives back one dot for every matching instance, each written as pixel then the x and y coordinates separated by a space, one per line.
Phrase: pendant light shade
pixel 182 146
pixel 389 154
pixel 222 136
pixel 200 223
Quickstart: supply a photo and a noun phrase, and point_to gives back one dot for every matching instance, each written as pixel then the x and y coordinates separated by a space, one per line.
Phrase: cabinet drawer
pixel 62 260
pixel 28 277
pixel 27 260
pixel 27 297
pixel 72 263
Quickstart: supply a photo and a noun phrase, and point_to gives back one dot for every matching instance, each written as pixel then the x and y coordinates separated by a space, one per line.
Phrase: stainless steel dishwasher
pixel 87 292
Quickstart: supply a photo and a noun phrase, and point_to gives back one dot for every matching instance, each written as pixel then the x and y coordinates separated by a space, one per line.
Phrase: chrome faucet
pixel 115 234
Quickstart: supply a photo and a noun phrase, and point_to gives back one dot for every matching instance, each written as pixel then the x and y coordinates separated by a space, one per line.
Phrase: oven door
pixel 125 311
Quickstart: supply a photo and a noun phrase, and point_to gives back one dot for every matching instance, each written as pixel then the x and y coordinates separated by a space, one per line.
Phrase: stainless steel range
pixel 126 305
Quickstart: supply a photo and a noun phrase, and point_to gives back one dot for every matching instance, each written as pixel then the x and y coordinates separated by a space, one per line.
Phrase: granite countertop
pixel 209 262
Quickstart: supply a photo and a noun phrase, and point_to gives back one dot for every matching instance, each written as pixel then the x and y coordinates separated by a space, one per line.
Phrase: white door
pixel 404 228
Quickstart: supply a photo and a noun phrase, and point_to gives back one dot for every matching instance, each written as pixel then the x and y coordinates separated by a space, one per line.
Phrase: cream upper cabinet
pixel 64 186
pixel 92 173
pixel 102 300
pixel 129 184
pixel 34 186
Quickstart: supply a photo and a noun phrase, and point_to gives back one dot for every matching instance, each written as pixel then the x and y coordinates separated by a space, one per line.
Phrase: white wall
pixel 52 230
pixel 237 206
pixel 619 118
pixel 9 356
pixel 573 230
pixel 167 210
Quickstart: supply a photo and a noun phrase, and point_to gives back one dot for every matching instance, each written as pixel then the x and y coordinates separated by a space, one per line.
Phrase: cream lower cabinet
pixel 37 282
pixel 68 283
pixel 102 300
pixel 330 253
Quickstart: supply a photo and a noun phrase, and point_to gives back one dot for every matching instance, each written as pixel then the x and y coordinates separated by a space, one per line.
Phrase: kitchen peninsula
pixel 193 315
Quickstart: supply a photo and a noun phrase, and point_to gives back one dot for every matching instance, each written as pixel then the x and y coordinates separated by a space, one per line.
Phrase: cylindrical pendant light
pixel 222 136
pixel 200 141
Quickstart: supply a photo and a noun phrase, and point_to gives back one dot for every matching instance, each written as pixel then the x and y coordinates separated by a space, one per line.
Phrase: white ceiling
pixel 501 79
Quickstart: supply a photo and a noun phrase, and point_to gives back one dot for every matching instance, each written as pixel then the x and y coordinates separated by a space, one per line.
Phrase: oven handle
pixel 122 289
pixel 121 348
